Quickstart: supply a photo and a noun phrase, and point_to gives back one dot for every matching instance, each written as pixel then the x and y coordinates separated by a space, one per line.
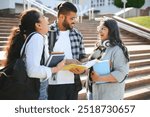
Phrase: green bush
pixel 130 3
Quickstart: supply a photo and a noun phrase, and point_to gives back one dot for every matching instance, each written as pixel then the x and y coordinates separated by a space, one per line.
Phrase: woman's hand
pixel 59 66
pixel 95 77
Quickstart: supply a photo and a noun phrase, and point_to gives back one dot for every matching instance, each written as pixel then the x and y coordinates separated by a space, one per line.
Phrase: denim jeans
pixel 89 95
pixel 43 90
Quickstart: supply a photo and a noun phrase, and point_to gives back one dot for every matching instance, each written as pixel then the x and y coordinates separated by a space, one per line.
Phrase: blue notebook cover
pixel 54 59
pixel 102 67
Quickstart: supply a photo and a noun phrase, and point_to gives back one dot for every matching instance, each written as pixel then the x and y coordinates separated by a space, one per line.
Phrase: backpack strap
pixel 42 62
pixel 51 39
pixel 28 38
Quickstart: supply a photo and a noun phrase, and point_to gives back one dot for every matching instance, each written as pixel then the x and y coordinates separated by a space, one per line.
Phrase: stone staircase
pixel 138 83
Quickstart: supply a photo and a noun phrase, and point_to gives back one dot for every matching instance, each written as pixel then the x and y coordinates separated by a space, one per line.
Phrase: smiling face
pixel 42 25
pixel 103 33
pixel 67 22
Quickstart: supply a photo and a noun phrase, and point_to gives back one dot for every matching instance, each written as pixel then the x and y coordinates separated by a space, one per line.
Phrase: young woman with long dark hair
pixel 34 23
pixel 116 52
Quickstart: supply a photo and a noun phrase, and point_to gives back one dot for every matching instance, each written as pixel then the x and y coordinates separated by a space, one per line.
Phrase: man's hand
pixel 77 70
pixel 72 61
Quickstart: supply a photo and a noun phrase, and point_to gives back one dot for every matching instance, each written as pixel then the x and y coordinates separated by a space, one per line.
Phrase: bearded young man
pixel 65 85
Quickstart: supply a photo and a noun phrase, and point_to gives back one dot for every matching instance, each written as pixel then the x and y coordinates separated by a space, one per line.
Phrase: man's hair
pixel 66 7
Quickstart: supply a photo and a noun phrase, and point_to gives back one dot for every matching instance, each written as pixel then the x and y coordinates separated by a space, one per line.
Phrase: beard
pixel 66 25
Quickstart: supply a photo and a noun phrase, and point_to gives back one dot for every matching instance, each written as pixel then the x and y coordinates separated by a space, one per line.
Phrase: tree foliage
pixel 130 3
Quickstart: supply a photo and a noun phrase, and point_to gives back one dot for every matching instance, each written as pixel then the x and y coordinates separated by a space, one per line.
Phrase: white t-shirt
pixel 63 45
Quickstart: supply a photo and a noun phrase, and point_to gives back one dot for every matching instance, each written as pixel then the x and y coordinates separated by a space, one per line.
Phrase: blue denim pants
pixel 43 90
pixel 89 95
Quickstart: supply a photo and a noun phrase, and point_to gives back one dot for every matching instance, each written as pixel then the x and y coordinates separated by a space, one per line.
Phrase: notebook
pixel 102 68
pixel 54 59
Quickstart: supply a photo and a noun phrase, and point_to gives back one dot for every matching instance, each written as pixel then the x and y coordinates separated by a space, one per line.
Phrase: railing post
pixel 89 14
pixel 28 5
pixel 24 4
pixel 92 13
pixel 124 7
pixel 81 18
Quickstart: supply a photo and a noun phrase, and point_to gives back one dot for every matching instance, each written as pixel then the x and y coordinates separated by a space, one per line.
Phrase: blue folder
pixel 102 67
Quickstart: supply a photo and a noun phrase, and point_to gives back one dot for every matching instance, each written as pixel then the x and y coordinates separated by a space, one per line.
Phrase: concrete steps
pixel 138 93
pixel 139 56
pixel 139 71
pixel 137 81
pixel 139 63
pixel 137 87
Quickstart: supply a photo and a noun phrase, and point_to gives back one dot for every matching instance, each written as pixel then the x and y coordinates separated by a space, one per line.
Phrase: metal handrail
pixel 51 11
pixel 132 27
pixel 41 6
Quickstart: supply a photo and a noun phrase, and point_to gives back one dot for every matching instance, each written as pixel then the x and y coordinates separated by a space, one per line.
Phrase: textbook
pixel 54 59
pixel 84 66
pixel 102 68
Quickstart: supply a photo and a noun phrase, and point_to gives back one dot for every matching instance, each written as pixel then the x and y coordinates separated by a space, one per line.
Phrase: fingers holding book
pixel 58 67
pixel 77 70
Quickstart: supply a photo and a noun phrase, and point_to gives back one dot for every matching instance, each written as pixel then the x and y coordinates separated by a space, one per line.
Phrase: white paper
pixel 90 63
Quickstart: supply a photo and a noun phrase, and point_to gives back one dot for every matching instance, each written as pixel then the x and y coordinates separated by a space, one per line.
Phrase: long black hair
pixel 114 35
pixel 18 35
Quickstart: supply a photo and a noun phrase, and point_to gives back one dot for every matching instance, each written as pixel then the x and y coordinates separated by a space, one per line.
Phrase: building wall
pixel 9 4
pixel 147 4
pixel 104 6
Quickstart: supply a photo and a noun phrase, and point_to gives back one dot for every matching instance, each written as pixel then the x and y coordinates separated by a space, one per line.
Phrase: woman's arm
pixel 107 78
pixel 120 68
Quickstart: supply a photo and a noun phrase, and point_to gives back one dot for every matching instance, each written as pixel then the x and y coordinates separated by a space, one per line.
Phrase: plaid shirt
pixel 76 39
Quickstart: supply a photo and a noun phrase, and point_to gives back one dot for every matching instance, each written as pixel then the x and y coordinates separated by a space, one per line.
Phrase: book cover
pixel 102 67
pixel 54 59
pixel 84 66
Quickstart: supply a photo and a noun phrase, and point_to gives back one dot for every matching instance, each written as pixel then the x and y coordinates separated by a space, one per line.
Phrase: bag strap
pixel 51 39
pixel 28 38
pixel 124 78
pixel 42 62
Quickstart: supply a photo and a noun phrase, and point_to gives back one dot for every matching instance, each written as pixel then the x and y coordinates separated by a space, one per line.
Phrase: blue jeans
pixel 43 90
pixel 89 95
